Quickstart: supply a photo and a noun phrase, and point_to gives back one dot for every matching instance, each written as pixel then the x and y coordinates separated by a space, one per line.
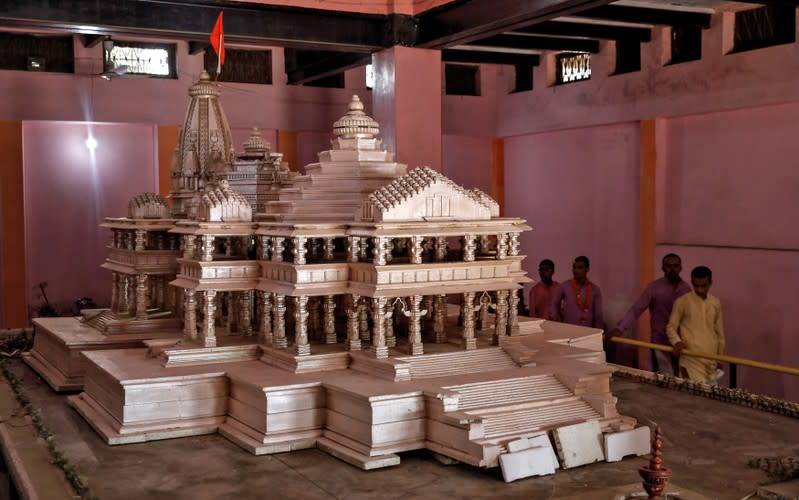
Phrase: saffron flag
pixel 218 43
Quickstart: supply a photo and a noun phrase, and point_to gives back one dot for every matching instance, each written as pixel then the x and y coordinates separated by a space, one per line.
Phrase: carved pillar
pixel 501 320
pixel 416 250
pixel 299 249
pixel 484 309
pixel 502 246
pixel 279 322
pixel 208 331
pixel 189 316
pixel 245 324
pixel 265 326
pixel 469 342
pixel 441 248
pixel 439 318
pixel 207 248
pixel 513 313
pixel 115 291
pixel 391 340
pixel 353 313
pixel 513 244
pixel 379 251
pixel 265 244
pixel 277 249
pixel 415 347
pixel 468 248
pixel 188 246
pixel 379 348
pixel 363 315
pixel 141 240
pixel 329 307
pixel 353 248
pixel 329 247
pixel 301 345
pixel 141 296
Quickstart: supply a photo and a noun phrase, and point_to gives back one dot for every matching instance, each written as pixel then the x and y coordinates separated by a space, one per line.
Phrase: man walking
pixel 578 301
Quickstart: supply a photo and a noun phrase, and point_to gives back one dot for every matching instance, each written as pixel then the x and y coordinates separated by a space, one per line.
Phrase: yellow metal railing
pixel 732 360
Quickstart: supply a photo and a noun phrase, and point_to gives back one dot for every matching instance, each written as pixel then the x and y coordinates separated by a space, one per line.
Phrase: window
pixel 37 53
pixel 686 44
pixel 241 66
pixel 461 79
pixel 573 67
pixel 764 27
pixel 134 58
pixel 524 78
pixel 628 56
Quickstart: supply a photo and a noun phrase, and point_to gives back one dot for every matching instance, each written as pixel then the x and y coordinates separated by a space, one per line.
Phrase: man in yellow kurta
pixel 695 323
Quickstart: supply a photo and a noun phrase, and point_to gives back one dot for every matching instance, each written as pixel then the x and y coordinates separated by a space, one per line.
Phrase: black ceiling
pixel 322 43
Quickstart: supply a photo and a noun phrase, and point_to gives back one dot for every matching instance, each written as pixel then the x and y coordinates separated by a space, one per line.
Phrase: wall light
pixel 91 143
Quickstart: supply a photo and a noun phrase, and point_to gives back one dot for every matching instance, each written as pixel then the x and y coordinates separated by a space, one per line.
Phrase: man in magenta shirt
pixel 658 297
pixel 578 301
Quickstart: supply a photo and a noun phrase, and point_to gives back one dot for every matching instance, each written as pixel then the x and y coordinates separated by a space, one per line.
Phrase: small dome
pixel 204 86
pixel 255 144
pixel 356 123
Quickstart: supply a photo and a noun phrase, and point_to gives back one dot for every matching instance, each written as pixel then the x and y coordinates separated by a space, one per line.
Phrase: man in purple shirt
pixel 658 297
pixel 578 301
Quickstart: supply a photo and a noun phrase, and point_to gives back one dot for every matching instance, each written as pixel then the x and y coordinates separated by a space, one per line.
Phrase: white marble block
pixel 634 442
pixel 526 463
pixel 542 441
pixel 579 444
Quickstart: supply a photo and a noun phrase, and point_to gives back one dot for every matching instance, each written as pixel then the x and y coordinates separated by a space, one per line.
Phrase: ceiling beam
pixel 322 67
pixel 244 23
pixel 644 15
pixel 485 57
pixel 526 42
pixel 465 21
pixel 90 41
pixel 790 3
pixel 585 30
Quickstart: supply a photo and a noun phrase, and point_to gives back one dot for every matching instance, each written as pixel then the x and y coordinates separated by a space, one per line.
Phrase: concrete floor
pixel 707 444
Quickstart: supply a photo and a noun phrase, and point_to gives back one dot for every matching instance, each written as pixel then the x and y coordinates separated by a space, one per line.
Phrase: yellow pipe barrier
pixel 716 357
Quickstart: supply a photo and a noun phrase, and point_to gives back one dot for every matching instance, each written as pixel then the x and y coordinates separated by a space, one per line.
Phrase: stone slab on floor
pixel 529 462
pixel 579 444
pixel 633 442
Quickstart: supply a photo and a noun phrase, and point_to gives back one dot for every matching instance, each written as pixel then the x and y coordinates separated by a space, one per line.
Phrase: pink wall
pixel 475 115
pixel 717 82
pixel 729 200
pixel 85 97
pixel 68 193
pixel 467 161
pixel 578 189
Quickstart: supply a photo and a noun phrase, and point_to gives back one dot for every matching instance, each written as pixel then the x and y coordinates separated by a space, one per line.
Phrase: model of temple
pixel 362 307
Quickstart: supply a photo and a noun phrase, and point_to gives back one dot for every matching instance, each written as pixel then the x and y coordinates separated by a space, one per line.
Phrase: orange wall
pixel 13 289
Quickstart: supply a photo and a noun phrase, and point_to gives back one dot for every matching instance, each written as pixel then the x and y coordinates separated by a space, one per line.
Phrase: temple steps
pixel 522 421
pixel 509 391
pixel 459 363
pixel 100 321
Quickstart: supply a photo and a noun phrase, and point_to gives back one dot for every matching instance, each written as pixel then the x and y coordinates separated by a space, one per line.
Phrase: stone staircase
pixel 100 321
pixel 457 363
pixel 474 422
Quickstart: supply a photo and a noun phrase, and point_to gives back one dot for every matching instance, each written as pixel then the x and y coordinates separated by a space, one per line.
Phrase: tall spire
pixel 204 143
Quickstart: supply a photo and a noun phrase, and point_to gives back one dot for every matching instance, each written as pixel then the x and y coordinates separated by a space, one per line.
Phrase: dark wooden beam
pixel 198 47
pixel 484 57
pixel 90 41
pixel 258 24
pixel 790 3
pixel 302 69
pixel 465 21
pixel 527 42
pixel 647 16
pixel 584 30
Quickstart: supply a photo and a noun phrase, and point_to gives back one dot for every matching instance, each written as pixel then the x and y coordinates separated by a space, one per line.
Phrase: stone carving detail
pixel 467 308
pixel 513 244
pixel 469 247
pixel 502 245
pixel 424 194
pixel 301 346
pixel 329 307
pixel 265 331
pixel 501 318
pixel 353 313
pixel 148 206
pixel 222 204
pixel 353 248
pixel 279 322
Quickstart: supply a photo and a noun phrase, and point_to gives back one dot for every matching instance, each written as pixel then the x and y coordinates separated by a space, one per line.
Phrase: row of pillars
pixel 141 240
pixel 272 308
pixel 134 294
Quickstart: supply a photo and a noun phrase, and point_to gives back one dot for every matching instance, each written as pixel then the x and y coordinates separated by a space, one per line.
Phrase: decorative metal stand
pixel 655 476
